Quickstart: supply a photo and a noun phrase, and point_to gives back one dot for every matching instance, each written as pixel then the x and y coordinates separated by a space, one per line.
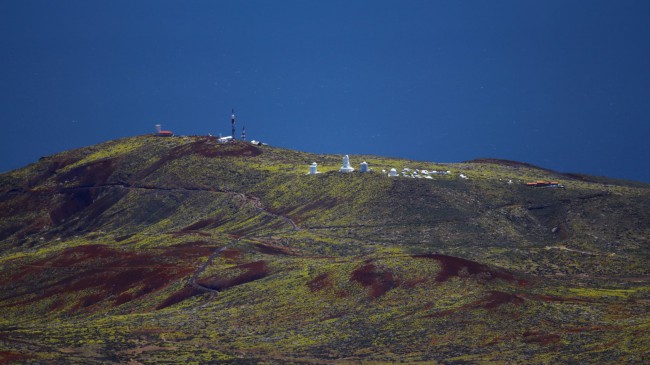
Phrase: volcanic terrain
pixel 183 250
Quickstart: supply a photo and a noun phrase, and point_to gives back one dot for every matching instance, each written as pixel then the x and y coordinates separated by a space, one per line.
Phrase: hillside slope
pixel 179 249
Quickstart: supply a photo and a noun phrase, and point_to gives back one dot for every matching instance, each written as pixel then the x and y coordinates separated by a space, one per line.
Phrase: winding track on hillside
pixel 205 265
pixel 256 202
pixel 257 205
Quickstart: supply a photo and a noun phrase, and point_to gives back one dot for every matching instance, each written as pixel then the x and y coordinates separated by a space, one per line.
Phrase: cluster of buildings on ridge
pixel 420 174
pixel 363 167
pixel 227 139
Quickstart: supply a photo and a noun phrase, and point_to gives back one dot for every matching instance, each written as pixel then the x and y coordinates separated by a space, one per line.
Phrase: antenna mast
pixel 232 121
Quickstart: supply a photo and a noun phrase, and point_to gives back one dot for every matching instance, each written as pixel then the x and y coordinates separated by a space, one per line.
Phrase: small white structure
pixel 392 172
pixel 462 176
pixel 161 133
pixel 312 169
pixel 363 167
pixel 346 165
pixel 224 139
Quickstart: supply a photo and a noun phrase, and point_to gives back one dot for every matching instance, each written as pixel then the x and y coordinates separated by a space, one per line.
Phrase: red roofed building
pixel 161 133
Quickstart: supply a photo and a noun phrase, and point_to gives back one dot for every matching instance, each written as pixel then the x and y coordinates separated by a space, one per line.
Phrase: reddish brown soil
pixel 56 305
pixel 496 299
pixel 201 224
pixel 543 339
pixel 91 174
pixel 89 300
pixel 271 249
pixel 443 313
pixel 379 280
pixel 204 146
pixel 232 254
pixel 382 280
pixel 18 205
pixel 52 166
pixel 456 266
pixel 10 357
pixel 322 281
pixel 251 271
pixel 101 274
pixel 493 300
pixel 342 294
pixel 411 283
pixel 208 147
pixel 190 249
pixel 123 298
pixel 178 297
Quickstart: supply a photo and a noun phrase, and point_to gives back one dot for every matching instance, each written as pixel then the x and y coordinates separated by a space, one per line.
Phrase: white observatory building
pixel 363 167
pixel 346 165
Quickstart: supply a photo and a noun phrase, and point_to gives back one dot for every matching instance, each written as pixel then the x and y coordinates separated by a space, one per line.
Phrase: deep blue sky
pixel 561 84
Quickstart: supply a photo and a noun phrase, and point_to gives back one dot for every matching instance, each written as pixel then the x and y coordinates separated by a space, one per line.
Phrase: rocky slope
pixel 179 249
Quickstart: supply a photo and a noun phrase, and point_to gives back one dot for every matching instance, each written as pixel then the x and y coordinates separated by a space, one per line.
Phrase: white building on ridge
pixel 346 165
pixel 363 167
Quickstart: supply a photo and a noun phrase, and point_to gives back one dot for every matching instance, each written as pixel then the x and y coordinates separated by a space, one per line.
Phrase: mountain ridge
pixel 235 250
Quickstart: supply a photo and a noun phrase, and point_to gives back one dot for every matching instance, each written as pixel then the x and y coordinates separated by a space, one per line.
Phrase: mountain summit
pixel 184 250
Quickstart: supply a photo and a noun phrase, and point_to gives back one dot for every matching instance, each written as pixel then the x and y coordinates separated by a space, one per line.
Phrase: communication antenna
pixel 243 134
pixel 232 121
